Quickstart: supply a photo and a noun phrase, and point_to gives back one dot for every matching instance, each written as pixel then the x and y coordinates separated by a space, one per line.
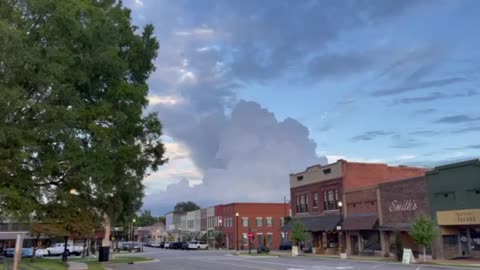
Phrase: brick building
pixel 263 219
pixel 317 191
pixel 401 203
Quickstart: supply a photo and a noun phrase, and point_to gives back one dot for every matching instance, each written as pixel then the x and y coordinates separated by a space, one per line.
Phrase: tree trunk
pixel 35 247
pixel 424 259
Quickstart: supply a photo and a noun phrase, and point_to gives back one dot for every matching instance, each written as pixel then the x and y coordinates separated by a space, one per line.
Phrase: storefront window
pixel 475 235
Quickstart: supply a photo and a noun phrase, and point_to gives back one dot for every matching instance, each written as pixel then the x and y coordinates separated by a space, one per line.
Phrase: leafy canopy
pixel 183 207
pixel 423 231
pixel 298 232
pixel 73 89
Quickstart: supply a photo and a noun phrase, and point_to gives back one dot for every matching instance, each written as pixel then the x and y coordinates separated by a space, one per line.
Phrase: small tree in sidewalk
pixel 423 233
pixel 298 233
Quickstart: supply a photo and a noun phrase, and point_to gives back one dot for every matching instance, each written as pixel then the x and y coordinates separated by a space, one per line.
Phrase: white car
pixel 197 245
pixel 155 244
pixel 57 249
pixel 167 245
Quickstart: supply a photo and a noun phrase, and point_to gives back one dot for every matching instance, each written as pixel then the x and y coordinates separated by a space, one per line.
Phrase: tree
pixel 183 207
pixel 219 239
pixel 162 220
pixel 298 233
pixel 73 86
pixel 423 233
pixel 146 219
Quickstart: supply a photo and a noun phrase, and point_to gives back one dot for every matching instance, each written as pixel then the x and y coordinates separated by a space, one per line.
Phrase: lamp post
pixel 133 236
pixel 236 227
pixel 221 231
pixel 179 234
pixel 340 234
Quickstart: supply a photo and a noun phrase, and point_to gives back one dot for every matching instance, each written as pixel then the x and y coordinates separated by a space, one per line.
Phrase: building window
pixel 259 221
pixel 315 200
pixel 269 221
pixel 245 221
pixel 282 221
pixel 327 171
pixel 269 239
pixel 475 235
pixel 300 178
pixel 330 199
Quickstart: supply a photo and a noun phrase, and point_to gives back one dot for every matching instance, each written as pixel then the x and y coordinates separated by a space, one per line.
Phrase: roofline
pixel 454 165
pixel 403 180
pixel 318 165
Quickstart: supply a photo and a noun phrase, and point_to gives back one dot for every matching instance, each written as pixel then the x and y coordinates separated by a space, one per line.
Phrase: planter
pixel 343 255
pixel 294 250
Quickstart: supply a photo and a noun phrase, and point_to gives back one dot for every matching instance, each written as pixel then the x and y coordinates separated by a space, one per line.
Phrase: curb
pixel 258 257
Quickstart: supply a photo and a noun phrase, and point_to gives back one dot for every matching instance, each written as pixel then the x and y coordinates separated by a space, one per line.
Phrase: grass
pixel 54 264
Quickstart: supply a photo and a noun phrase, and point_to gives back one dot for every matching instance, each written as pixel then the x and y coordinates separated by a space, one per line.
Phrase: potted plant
pixel 298 236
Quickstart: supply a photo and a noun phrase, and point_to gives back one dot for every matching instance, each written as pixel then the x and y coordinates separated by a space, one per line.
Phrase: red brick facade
pixel 309 191
pixel 271 215
pixel 361 202
pixel 361 175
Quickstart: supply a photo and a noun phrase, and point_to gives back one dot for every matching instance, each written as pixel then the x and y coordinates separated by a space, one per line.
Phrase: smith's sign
pixel 403 206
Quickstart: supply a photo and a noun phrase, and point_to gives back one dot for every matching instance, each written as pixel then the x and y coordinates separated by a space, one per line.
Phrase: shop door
pixel 465 249
pixel 260 240
pixel 354 244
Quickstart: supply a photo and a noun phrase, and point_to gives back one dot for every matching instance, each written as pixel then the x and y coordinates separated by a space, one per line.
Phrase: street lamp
pixel 179 234
pixel 133 232
pixel 236 227
pixel 339 228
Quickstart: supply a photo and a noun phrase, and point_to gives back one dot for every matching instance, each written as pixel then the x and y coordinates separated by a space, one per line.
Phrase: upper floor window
pixel 282 221
pixel 259 222
pixel 315 200
pixel 330 199
pixel 269 221
pixel 245 221
pixel 302 204
pixel 327 171
pixel 300 178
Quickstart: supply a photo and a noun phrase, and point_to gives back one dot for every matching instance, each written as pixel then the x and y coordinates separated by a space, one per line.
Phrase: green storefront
pixel 454 195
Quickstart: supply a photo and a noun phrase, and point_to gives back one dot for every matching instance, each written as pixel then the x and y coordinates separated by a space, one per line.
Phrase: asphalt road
pixel 218 260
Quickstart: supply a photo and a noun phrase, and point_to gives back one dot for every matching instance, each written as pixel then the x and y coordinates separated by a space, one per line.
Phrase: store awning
pixel 395 227
pixel 360 222
pixel 315 224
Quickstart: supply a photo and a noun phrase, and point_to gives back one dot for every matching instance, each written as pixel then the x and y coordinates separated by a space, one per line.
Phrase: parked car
pixel 58 249
pixel 162 244
pixel 129 246
pixel 197 245
pixel 185 246
pixel 286 246
pixel 175 245
pixel 166 245
pixel 155 244
pixel 26 253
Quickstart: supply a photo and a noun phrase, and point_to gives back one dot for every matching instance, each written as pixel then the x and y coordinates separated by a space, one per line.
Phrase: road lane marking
pixel 284 264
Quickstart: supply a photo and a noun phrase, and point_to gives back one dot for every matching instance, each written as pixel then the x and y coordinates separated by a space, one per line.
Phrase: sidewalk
pixel 455 262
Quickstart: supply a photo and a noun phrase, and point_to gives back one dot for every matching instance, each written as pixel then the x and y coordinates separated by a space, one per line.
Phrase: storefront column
pixel 385 243
pixel 349 244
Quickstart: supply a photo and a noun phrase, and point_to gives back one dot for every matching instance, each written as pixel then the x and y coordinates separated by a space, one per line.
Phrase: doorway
pixel 354 244
pixel 464 246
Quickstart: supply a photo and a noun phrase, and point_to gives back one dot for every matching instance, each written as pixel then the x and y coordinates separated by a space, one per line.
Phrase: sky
pixel 251 91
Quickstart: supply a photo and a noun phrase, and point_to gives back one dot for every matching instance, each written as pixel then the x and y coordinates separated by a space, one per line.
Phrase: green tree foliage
pixel 219 239
pixel 73 88
pixel 146 219
pixel 183 207
pixel 423 232
pixel 298 233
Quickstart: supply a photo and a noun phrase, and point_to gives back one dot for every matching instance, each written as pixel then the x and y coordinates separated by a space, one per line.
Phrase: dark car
pixel 286 246
pixel 175 245
pixel 185 246
pixel 162 244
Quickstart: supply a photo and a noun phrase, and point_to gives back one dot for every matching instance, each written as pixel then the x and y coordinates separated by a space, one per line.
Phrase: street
pixel 220 260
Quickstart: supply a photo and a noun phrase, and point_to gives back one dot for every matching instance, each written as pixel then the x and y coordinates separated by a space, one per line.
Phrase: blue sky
pixel 377 81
